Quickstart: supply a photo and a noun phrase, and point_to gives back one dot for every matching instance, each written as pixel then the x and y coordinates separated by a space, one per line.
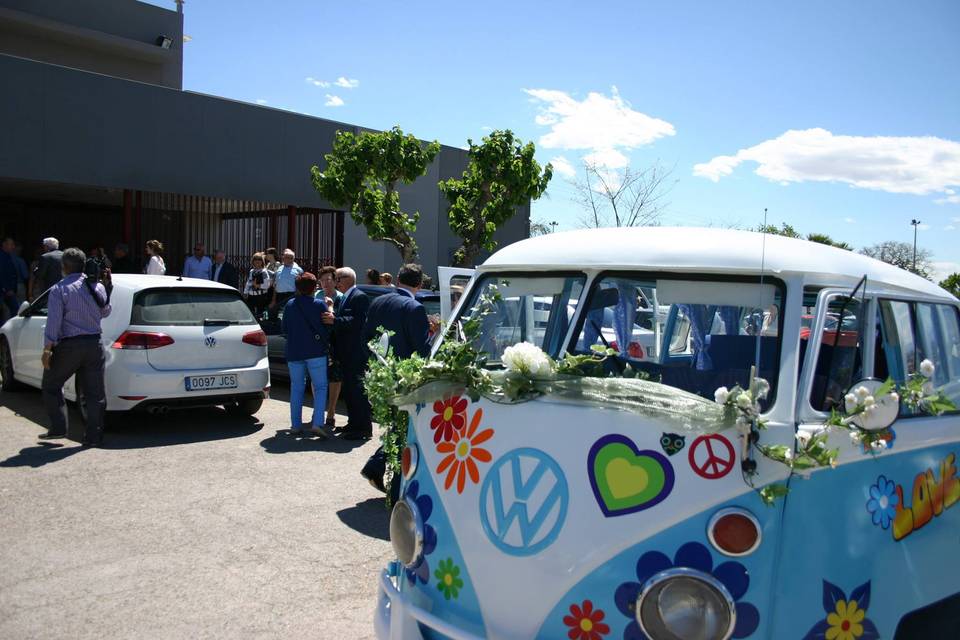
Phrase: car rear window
pixel 184 307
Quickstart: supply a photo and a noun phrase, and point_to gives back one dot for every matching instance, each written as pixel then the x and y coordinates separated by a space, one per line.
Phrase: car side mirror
pixel 885 408
pixel 22 311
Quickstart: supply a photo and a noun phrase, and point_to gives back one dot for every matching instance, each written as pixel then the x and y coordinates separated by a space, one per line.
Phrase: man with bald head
pixel 349 318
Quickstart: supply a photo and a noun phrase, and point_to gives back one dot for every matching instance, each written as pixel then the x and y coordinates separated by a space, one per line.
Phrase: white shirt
pixel 156 267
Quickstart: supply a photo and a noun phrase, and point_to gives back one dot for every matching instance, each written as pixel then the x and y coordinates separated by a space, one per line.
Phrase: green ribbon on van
pixel 672 408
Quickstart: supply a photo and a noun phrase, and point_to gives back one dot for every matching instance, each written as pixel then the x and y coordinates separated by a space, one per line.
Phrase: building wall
pixel 67 126
pixel 111 37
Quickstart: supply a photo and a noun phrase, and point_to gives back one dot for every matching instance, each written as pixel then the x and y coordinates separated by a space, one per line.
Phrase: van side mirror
pixel 22 311
pixel 885 408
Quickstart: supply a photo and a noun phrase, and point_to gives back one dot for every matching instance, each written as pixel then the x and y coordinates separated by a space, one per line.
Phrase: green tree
pixel 952 284
pixel 823 238
pixel 900 254
pixel 783 230
pixel 362 174
pixel 501 176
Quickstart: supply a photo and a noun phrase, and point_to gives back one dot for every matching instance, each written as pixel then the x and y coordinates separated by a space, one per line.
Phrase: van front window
pixel 526 308
pixel 696 335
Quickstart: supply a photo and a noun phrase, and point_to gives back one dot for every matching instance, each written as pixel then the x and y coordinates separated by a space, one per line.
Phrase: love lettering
pixel 931 495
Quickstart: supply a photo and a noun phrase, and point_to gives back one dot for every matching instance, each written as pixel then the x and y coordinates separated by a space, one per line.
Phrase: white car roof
pixel 703 250
pixel 136 282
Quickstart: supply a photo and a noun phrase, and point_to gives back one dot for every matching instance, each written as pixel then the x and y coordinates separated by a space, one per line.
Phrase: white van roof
pixel 704 250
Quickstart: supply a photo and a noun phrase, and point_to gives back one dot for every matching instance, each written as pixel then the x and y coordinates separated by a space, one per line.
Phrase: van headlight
pixel 406 532
pixel 685 604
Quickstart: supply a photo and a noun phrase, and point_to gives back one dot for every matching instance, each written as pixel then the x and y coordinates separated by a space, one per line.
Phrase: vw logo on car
pixel 210 341
pixel 523 502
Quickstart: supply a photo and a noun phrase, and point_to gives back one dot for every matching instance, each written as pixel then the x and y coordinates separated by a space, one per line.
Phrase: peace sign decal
pixel 711 456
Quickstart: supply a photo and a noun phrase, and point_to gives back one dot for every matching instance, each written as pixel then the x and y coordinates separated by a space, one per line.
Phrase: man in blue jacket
pixel 401 313
pixel 349 318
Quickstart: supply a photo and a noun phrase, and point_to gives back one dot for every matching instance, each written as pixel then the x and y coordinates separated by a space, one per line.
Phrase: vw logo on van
pixel 210 341
pixel 523 502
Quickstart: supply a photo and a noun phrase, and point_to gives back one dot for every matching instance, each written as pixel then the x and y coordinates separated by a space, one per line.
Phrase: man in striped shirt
pixel 75 308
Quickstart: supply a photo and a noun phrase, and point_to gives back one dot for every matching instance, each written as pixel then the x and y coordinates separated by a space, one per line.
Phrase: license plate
pixel 203 383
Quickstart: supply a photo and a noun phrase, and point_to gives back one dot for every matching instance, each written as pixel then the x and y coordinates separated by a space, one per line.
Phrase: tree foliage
pixel 540 228
pixel 502 175
pixel 622 197
pixel 788 231
pixel 822 238
pixel 952 284
pixel 900 254
pixel 362 174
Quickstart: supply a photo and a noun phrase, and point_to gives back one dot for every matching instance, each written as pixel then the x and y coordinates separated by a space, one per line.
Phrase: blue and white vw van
pixel 557 519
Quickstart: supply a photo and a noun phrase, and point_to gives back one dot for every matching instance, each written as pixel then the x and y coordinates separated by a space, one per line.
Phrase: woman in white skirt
pixel 155 266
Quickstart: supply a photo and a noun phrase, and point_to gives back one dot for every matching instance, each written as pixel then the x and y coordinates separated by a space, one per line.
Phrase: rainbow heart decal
pixel 625 479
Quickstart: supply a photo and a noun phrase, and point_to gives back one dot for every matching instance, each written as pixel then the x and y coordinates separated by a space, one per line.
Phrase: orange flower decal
pixel 463 454
pixel 451 417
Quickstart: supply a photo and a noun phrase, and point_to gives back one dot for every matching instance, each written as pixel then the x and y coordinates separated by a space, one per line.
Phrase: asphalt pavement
pixel 196 524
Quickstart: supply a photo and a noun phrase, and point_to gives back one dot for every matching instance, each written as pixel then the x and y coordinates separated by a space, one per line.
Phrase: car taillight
pixel 409 460
pixel 635 350
pixel 257 338
pixel 141 340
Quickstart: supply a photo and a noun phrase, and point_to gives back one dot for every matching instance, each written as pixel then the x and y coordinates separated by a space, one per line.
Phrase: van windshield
pixel 535 309
pixel 697 335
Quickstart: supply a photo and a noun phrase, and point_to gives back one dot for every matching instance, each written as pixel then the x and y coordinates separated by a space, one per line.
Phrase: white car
pixel 169 343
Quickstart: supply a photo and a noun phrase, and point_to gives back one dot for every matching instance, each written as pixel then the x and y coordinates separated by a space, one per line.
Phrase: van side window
pixel 840 361
pixel 913 332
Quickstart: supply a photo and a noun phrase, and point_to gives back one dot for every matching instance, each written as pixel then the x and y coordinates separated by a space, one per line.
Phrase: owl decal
pixel 672 443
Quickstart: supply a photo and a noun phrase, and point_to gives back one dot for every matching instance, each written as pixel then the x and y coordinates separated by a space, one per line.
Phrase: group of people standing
pixel 328 324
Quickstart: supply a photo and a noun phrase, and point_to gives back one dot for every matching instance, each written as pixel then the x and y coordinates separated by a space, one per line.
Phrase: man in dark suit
pixel 223 271
pixel 349 318
pixel 401 313
pixel 49 268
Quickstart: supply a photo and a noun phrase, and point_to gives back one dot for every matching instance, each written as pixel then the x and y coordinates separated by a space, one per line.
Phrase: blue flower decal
pixel 846 617
pixel 692 555
pixel 883 502
pixel 424 503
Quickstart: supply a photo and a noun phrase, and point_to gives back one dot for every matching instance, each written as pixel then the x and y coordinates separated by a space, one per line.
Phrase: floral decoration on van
pixel 462 454
pixel 932 494
pixel 846 617
pixel 450 416
pixel 692 555
pixel 421 571
pixel 448 579
pixel 585 622
pixel 860 406
pixel 625 479
pixel 883 502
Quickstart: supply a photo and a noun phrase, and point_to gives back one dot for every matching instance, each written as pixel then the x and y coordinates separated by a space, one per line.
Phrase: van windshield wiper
pixel 218 322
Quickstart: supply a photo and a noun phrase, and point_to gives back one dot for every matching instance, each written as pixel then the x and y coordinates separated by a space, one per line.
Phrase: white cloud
pixel 347 83
pixel 604 126
pixel 850 220
pixel 950 199
pixel 915 165
pixel 317 83
pixel 563 167
pixel 949 227
pixel 486 128
pixel 923 227
pixel 333 101
pixel 261 101
pixel 940 270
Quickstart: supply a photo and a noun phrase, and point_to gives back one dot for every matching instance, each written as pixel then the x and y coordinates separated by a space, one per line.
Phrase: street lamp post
pixel 553 226
pixel 915 224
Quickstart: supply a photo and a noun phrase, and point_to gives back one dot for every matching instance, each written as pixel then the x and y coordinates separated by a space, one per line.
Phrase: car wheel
pixel 246 407
pixel 7 381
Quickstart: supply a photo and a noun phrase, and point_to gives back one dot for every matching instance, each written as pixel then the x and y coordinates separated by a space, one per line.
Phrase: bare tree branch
pixel 622 197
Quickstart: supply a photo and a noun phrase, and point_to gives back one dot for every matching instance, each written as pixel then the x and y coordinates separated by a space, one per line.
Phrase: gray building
pixel 99 144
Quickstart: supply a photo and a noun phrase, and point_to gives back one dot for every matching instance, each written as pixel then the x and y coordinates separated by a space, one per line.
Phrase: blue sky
pixel 842 118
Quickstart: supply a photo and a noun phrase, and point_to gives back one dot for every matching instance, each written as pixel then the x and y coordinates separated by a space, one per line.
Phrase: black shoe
pixel 49 435
pixel 88 444
pixel 348 434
